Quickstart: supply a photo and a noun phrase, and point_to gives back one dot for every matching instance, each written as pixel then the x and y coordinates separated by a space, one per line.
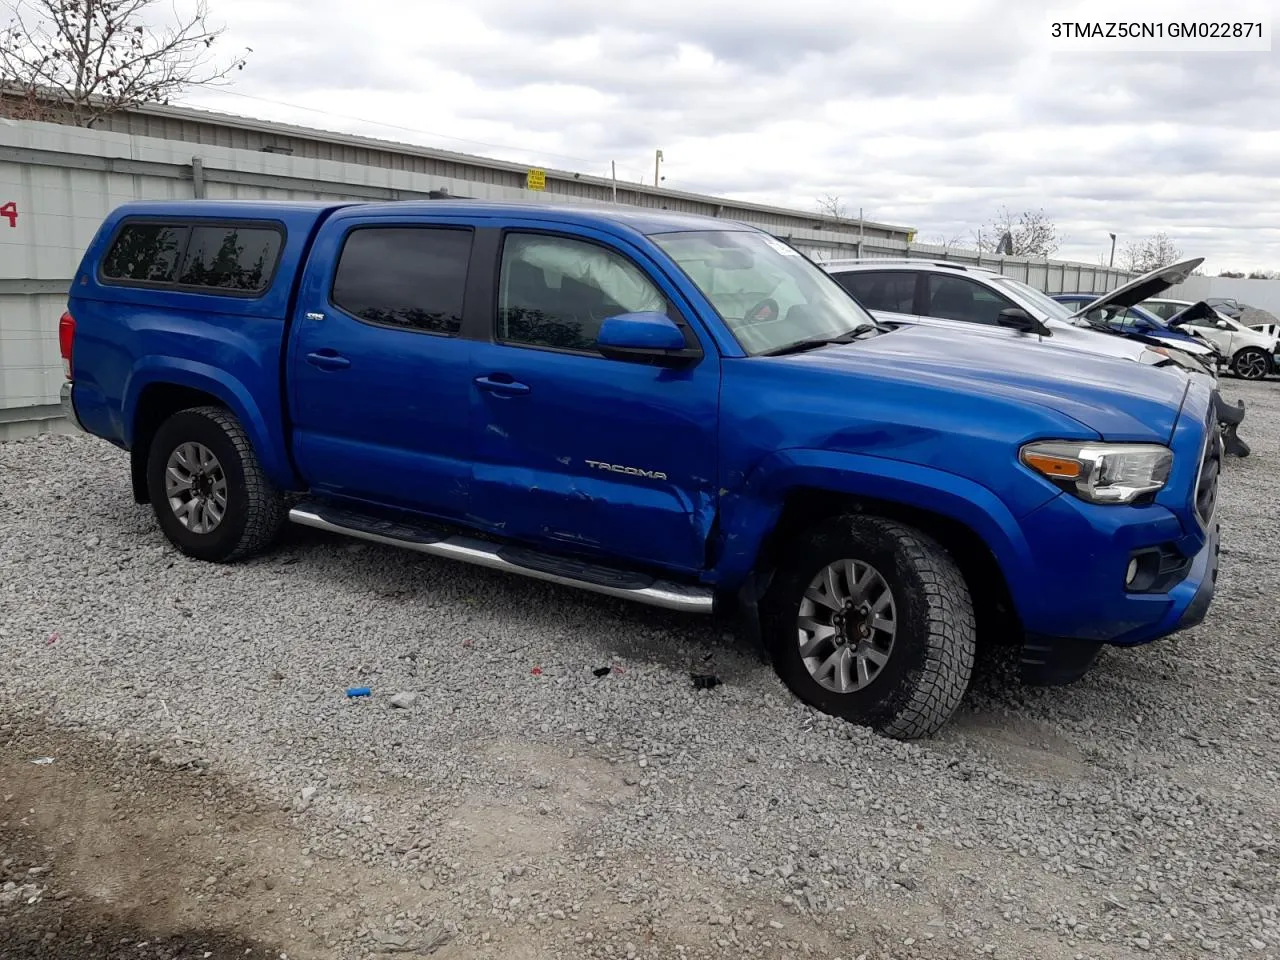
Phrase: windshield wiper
pixel 814 342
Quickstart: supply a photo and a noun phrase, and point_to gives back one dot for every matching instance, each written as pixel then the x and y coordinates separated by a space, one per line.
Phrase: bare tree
pixel 78 61
pixel 942 240
pixel 1027 234
pixel 1151 253
pixel 1233 274
pixel 833 206
pixel 1264 275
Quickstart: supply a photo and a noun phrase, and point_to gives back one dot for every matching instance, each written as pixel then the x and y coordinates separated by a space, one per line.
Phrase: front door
pixel 380 384
pixel 581 453
pixel 966 305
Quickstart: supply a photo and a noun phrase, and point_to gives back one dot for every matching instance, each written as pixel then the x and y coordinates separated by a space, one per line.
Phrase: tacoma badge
pixel 629 471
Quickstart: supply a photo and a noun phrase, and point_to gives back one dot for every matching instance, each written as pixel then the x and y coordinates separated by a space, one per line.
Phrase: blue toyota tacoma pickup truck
pixel 677 410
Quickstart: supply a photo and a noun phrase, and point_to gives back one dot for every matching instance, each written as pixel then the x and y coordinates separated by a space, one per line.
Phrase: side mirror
pixel 1018 319
pixel 1222 325
pixel 644 338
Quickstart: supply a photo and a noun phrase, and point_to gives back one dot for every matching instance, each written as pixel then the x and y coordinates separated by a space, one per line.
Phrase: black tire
pixel 255 511
pixel 1251 363
pixel 931 660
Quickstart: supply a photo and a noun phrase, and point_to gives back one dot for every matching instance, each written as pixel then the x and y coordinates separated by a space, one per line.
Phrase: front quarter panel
pixel 787 425
pixel 750 512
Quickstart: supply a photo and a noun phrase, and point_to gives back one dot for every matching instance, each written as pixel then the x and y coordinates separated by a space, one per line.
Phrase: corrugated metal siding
pixel 65 180
pixel 202 127
pixel 30 365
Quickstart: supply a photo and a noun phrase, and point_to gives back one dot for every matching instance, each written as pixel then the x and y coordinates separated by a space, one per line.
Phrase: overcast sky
pixel 923 114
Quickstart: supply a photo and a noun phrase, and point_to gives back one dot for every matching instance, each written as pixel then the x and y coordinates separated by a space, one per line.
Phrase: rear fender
pixel 267 438
pixel 752 513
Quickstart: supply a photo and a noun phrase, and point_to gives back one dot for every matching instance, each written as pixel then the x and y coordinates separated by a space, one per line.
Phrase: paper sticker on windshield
pixel 781 247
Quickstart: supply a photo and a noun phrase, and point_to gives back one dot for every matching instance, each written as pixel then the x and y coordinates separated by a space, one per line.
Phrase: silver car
pixel 986 303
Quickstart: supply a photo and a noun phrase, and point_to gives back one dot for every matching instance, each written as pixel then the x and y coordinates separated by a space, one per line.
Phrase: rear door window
pixel 893 291
pixel 409 277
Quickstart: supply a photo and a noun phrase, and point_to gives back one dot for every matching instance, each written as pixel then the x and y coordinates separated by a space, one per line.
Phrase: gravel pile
pixel 499 763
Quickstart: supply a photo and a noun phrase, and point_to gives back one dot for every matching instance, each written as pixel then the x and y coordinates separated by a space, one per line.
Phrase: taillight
pixel 66 337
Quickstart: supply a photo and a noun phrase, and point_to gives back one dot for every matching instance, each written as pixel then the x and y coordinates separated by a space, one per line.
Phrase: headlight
pixel 1101 472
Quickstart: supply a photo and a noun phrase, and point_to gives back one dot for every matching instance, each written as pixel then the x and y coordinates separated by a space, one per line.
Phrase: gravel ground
pixel 522 806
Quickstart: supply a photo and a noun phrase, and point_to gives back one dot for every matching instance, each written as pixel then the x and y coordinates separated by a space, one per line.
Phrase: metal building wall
pixel 226 130
pixel 62 181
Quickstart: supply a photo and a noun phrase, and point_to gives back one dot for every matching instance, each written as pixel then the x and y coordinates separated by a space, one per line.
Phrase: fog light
pixel 1131 572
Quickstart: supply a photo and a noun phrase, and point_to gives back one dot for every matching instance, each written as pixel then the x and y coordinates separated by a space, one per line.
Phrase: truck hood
pixel 1144 287
pixel 1120 399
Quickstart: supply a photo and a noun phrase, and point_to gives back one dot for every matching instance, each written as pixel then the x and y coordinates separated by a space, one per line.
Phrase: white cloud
pixel 925 114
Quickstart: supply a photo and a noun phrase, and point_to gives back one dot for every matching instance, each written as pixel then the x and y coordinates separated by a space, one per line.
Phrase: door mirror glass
pixel 643 337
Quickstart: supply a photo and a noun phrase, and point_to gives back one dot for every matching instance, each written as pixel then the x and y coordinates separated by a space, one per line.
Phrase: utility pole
pixel 1113 250
pixel 657 160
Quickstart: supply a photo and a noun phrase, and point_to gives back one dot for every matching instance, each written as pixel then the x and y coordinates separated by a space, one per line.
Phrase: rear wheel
pixel 1251 363
pixel 208 490
pixel 870 620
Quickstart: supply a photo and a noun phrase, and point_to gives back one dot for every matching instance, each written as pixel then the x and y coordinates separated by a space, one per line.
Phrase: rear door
pixel 887 291
pixel 378 375
pixel 581 453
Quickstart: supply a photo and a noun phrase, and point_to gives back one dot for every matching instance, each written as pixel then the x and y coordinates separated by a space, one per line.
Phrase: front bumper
pixel 69 406
pixel 1054 660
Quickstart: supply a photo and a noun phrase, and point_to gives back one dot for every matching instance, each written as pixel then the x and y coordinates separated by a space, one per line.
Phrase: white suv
pixel 980 301
pixel 977 300
pixel 1250 352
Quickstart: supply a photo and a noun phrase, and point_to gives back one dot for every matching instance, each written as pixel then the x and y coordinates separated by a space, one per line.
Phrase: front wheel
pixel 870 620
pixel 1251 363
pixel 209 492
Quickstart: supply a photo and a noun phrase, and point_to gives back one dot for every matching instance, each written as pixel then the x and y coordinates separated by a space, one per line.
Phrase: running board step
pixel 610 581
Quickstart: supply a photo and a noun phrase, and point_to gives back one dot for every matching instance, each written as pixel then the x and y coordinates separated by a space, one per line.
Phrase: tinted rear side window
pixel 230 258
pixel 145 251
pixel 226 258
pixel 405 276
pixel 894 292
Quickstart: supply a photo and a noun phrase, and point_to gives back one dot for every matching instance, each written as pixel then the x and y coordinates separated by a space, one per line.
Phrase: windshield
pixel 769 295
pixel 1049 308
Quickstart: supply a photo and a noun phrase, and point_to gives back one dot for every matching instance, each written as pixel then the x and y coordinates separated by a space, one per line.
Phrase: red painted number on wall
pixel 10 212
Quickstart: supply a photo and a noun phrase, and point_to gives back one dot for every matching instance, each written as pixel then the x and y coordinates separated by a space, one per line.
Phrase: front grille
pixel 1207 479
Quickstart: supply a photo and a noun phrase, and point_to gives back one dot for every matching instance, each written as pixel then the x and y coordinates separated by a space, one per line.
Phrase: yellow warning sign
pixel 537 179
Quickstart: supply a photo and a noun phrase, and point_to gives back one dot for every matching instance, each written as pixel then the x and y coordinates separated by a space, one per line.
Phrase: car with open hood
pixel 1138 324
pixel 1250 353
pixel 977 301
